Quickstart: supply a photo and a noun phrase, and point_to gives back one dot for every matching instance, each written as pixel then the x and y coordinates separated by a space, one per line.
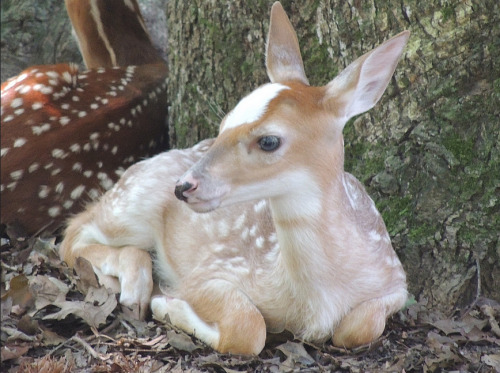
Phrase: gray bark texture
pixel 428 153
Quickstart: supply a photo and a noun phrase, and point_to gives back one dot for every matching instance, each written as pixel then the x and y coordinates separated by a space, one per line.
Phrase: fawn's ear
pixel 359 87
pixel 283 59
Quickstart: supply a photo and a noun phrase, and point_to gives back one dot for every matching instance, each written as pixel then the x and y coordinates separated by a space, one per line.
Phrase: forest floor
pixel 55 319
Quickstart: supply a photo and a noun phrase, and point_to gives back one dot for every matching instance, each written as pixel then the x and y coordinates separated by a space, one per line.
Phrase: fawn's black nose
pixel 181 188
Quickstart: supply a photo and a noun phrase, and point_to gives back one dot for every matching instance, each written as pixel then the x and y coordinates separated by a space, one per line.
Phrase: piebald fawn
pixel 268 232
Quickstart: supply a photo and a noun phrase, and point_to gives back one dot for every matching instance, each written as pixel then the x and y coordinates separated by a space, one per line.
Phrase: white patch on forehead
pixel 253 106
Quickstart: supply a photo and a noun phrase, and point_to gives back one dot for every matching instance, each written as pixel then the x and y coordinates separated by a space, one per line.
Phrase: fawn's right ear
pixel 283 58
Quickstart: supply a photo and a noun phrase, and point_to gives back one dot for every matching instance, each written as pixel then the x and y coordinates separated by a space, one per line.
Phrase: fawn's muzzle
pixel 181 188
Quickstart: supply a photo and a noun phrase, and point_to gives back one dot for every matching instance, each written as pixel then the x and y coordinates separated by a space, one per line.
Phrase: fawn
pixel 268 232
pixel 88 125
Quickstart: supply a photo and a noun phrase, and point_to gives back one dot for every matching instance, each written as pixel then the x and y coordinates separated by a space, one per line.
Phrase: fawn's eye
pixel 269 143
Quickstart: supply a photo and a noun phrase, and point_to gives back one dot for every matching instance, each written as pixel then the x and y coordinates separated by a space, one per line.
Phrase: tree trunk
pixel 428 153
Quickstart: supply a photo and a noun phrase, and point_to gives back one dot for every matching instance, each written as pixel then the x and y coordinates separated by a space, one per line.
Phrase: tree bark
pixel 428 153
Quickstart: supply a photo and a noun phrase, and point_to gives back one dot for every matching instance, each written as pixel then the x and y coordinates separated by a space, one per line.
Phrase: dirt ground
pixel 55 319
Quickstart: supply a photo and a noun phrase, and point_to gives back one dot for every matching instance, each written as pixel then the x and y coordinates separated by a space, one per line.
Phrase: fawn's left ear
pixel 283 59
pixel 359 87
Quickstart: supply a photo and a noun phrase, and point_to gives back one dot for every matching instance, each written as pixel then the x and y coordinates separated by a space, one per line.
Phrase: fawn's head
pixel 286 136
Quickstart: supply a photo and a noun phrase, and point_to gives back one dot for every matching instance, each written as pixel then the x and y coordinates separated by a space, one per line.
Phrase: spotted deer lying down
pixel 268 232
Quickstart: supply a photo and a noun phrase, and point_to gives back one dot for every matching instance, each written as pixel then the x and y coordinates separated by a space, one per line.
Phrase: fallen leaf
pixel 46 246
pixel 47 290
pixel 17 335
pixel 28 325
pixel 86 273
pixel 492 314
pixel 93 315
pixel 436 341
pixel 492 360
pixel 50 338
pixel 13 352
pixel 295 353
pixel 181 341
pixel 20 293
pixel 447 326
pixel 154 341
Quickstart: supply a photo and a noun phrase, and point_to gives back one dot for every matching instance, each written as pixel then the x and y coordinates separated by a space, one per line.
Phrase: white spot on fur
pixel 223 229
pixel 75 148
pixel 244 233
pixel 273 238
pixel 33 167
pixel 59 187
pixel 36 105
pixel 64 120
pixel 77 166
pixel 16 175
pixel 253 106
pixel 260 205
pixel 217 247
pixel 38 130
pixel 67 204
pixel 239 222
pixel 58 153
pixel 25 89
pixel 54 211
pixel 259 242
pixel 19 142
pixel 77 192
pixel 375 236
pixel 105 181
pixel 253 230
pixel 52 74
pixel 94 193
pixel 16 102
pixel 43 191
pixel 67 77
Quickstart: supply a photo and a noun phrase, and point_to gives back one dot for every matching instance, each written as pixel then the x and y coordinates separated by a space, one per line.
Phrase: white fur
pixel 253 106
pixel 182 315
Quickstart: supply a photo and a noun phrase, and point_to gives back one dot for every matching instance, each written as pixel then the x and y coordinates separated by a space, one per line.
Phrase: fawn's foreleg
pixel 127 270
pixel 219 314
